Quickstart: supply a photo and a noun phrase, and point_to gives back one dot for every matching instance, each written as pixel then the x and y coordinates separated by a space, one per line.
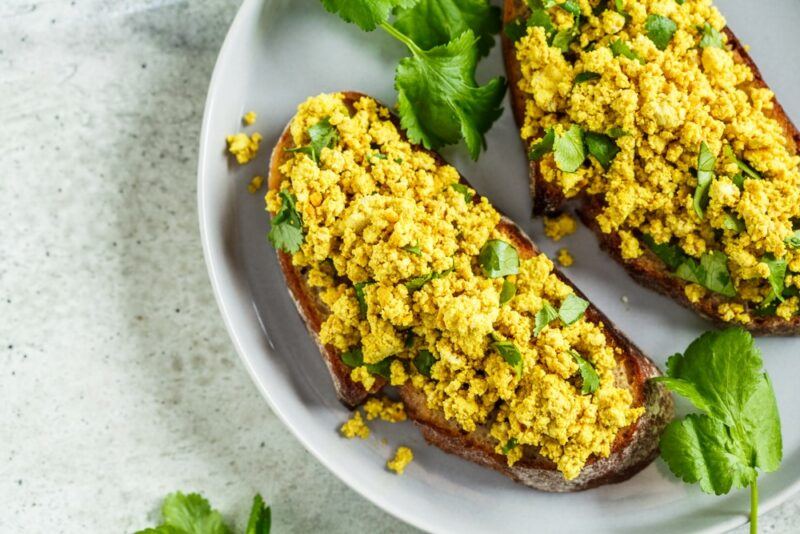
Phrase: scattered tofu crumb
pixel 385 409
pixel 249 118
pixel 363 376
pixel 624 299
pixel 565 258
pixel 255 184
pixel 243 147
pixel 355 427
pixel 401 459
pixel 557 227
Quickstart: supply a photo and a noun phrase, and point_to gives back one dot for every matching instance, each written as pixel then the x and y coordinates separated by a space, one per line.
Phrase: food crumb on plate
pixel 565 258
pixel 558 227
pixel 255 184
pixel 401 459
pixel 244 147
pixel 355 427
pixel 249 118
pixel 385 409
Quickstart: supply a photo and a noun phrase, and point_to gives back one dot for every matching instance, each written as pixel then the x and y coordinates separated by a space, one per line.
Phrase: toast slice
pixel 634 447
pixel 648 269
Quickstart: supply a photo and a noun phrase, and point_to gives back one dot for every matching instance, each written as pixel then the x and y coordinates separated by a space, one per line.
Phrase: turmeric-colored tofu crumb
pixel 385 409
pixel 401 459
pixel 564 257
pixel 392 245
pixel 355 427
pixel 559 227
pixel 255 184
pixel 244 148
pixel 249 118
pixel 655 104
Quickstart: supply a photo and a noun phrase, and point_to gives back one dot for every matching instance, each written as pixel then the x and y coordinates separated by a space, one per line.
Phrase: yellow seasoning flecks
pixel 401 459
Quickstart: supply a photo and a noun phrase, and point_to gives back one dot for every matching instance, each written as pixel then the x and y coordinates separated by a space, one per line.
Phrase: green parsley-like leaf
pixel 322 135
pixel 468 193
pixel 564 37
pixel 413 249
pixel 510 445
pixel 793 241
pixel 516 29
pixel 544 146
pixel 572 309
pixel 439 101
pixel 602 147
pixel 739 430
pixel 361 297
pixel 507 292
pixel 589 377
pixel 586 76
pixel 544 317
pixel 733 223
pixel 621 48
pixel 777 274
pixel 366 14
pixel 660 30
pixel 432 23
pixel 748 171
pixel 413 284
pixel 711 273
pixel 410 337
pixel 498 258
pixel 191 514
pixel 616 132
pixel 286 232
pixel 540 18
pixel 510 354
pixel 353 357
pixel 568 149
pixel 705 175
pixel 671 255
pixel 423 361
pixel 711 37
pixel 381 368
pixel 260 520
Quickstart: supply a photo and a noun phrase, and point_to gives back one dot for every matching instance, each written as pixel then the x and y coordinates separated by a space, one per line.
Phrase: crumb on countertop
pixel 249 118
pixel 255 184
pixel 558 227
pixel 243 147
pixel 355 427
pixel 401 459
pixel 564 257
pixel 385 409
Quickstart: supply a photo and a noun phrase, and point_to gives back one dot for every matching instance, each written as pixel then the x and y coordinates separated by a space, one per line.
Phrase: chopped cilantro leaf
pixel 544 146
pixel 671 255
pixel 777 274
pixel 381 368
pixel 322 135
pixel 733 223
pixel 621 48
pixel 464 190
pixel 588 374
pixel 711 37
pixel 602 147
pixel 586 76
pixel 793 241
pixel 366 14
pixel 572 309
pixel 660 30
pixel 286 232
pixel 705 175
pixel 568 149
pixel 361 298
pixel 510 445
pixel 711 273
pixel 510 354
pixel 260 520
pixel 423 361
pixel 353 357
pixel 498 259
pixel 748 171
pixel 507 292
pixel 516 29
pixel 544 317
pixel 413 249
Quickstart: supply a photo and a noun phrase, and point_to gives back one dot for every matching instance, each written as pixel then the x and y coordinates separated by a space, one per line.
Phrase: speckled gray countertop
pixel 119 383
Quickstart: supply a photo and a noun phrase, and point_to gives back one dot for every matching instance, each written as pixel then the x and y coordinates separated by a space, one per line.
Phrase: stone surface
pixel 118 381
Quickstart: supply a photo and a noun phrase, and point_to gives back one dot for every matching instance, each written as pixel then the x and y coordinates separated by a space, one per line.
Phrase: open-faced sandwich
pixel 405 276
pixel 653 115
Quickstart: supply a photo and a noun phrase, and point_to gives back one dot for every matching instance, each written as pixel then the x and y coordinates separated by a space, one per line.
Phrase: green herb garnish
pixel 381 368
pixel 621 48
pixel 507 292
pixel 516 29
pixel 660 30
pixel 733 223
pixel 322 135
pixel 705 174
pixel 423 361
pixel 192 514
pixel 711 37
pixel 572 309
pixel 616 132
pixel 544 317
pixel 777 274
pixel 413 284
pixel 410 337
pixel 568 149
pixel 361 297
pixel 468 193
pixel 510 445
pixel 353 357
pixel 588 374
pixel 793 241
pixel 286 232
pixel 413 249
pixel 745 167
pixel 586 76
pixel 498 259
pixel 544 146
pixel 602 147
pixel 510 354
pixel 671 255
pixel 738 431
pixel 711 273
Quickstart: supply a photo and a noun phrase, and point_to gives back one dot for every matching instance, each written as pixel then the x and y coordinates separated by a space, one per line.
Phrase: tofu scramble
pixel 681 147
pixel 392 242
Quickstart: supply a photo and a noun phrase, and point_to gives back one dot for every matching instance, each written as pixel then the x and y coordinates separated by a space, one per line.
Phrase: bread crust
pixel 648 269
pixel 635 447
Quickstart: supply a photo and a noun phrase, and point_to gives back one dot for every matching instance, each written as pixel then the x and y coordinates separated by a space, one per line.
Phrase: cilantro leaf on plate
pixel 260 520
pixel 705 175
pixel 621 48
pixel 602 147
pixel 322 135
pixel 671 255
pixel 777 274
pixel 432 23
pixel 793 241
pixel 711 37
pixel 546 315
pixel 712 273
pixel 572 309
pixel 510 354
pixel 366 14
pixel 188 514
pixel 660 30
pixel 507 292
pixel 544 146
pixel 439 101
pixel 498 259
pixel 287 226
pixel 589 377
pixel 568 149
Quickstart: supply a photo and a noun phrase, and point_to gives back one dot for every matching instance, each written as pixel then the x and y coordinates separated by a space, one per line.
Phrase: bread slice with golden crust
pixel 634 448
pixel 648 269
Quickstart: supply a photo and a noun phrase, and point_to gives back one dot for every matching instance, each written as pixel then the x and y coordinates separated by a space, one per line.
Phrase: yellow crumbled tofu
pixel 249 118
pixel 694 292
pixel 393 249
pixel 355 427
pixel 401 459
pixel 662 109
pixel 559 227
pixel 564 257
pixel 255 184
pixel 244 148
pixel 385 409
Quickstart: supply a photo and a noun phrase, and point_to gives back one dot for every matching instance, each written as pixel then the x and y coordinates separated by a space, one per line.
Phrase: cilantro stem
pixel 400 36
pixel 754 506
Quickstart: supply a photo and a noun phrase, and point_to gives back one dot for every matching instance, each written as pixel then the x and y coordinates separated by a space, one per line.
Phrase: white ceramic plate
pixel 276 54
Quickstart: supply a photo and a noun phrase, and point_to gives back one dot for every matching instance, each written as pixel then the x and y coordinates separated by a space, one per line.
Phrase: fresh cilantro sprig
pixel 498 259
pixel 705 175
pixel 322 135
pixel 570 311
pixel 660 30
pixel 570 148
pixel 738 431
pixel 192 514
pixel 438 100
pixel 589 377
pixel 287 226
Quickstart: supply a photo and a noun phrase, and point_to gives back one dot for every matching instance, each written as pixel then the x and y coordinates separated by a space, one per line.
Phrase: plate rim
pixel 211 253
